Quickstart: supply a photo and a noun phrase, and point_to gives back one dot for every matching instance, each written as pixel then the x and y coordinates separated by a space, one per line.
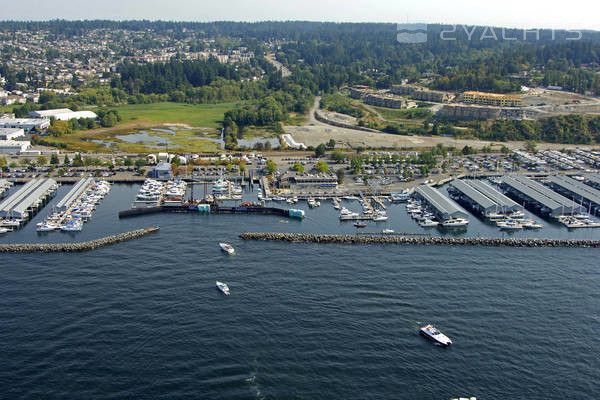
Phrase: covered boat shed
pixel 30 196
pixel 76 191
pixel 442 206
pixel 478 201
pixel 542 197
pixel 505 204
pixel 581 192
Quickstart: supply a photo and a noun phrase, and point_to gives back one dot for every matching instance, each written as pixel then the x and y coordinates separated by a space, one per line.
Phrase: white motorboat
pixel 432 333
pixel 387 231
pixel 227 248
pixel 455 223
pixel 509 225
pixel 380 218
pixel 46 227
pixel 428 223
pixel 223 288
pixel 3 231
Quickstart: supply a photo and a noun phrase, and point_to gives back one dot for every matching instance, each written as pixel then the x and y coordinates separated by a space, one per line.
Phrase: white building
pixel 11 133
pixel 26 124
pixel 63 114
pixel 13 146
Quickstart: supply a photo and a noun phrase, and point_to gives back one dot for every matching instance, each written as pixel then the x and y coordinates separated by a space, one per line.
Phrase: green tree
pixel 271 167
pixel 505 150
pixel 331 144
pixel 41 161
pixel 13 165
pixel 128 162
pixel 298 168
pixel 322 166
pixel 2 162
pixel 320 150
pixel 340 175
pixel 66 161
pixel 54 159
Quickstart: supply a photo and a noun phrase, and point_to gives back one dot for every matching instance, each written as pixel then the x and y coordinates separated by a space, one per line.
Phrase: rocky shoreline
pixel 75 247
pixel 413 240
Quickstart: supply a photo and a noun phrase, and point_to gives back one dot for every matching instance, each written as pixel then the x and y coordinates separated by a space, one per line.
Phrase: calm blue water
pixel 143 319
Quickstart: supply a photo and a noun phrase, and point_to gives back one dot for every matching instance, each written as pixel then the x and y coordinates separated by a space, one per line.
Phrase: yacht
pixel 428 223
pixel 360 224
pixel 432 333
pixel 312 203
pixel 223 288
pixel 11 222
pixel 3 231
pixel 516 214
pixel 227 248
pixel 509 225
pixel 387 231
pixel 46 227
pixel 530 224
pixel 455 222
pixel 380 218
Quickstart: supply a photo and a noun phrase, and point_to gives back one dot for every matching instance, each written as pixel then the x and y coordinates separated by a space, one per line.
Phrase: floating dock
pixel 443 207
pixel 214 209
pixel 25 201
pixel 542 197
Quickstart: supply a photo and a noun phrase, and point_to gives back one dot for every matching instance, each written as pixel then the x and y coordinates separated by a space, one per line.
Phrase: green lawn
pixel 196 115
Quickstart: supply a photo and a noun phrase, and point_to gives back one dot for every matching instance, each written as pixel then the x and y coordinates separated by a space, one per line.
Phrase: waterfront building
pixel 26 124
pixel 11 133
pixel 63 114
pixel 161 170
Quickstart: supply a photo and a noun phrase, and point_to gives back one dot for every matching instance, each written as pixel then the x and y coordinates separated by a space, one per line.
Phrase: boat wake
pixel 254 386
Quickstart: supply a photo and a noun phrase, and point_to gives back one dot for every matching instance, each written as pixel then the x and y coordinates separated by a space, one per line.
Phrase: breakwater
pixel 75 247
pixel 419 240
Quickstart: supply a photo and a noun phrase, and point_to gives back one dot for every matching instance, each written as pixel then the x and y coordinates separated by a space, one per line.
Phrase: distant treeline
pixel 571 129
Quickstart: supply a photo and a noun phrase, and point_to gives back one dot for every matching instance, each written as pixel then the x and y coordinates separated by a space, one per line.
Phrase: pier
pixel 26 201
pixel 75 247
pixel 214 209
pixel 418 240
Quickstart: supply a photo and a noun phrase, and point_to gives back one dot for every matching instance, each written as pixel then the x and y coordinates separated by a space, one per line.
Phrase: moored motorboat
pixel 433 334
pixel 223 288
pixel 227 248
pixel 360 224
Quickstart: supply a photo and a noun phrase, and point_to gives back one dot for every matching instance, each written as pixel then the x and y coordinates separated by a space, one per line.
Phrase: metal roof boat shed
pixel 472 196
pixel 505 204
pixel 580 191
pixel 442 205
pixel 550 202
pixel 29 196
pixel 76 191
pixel 593 180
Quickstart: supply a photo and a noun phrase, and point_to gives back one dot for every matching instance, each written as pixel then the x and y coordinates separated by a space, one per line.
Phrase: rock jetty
pixel 420 240
pixel 75 247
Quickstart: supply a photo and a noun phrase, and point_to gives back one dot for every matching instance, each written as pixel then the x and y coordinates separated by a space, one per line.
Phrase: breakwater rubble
pixel 75 247
pixel 419 240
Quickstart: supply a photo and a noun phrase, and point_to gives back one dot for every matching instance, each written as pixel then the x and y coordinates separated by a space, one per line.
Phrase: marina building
pixel 63 114
pixel 11 133
pixel 443 207
pixel 76 191
pixel 481 197
pixel 26 124
pixel 28 198
pixel 491 99
pixel 579 191
pixel 161 170
pixel 539 196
